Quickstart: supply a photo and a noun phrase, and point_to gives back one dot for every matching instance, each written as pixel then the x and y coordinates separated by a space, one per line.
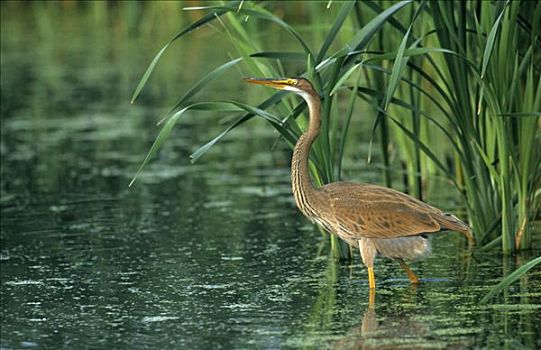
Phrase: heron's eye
pixel 293 82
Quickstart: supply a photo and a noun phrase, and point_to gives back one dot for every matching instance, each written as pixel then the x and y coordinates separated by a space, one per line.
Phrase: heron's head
pixel 300 86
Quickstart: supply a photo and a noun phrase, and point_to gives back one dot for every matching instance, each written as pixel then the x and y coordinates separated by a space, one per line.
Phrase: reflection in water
pixel 397 331
pixel 394 329
pixel 398 328
pixel 370 322
pixel 398 315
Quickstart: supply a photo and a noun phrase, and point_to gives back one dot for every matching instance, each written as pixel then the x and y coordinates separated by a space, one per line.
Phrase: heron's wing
pixel 378 212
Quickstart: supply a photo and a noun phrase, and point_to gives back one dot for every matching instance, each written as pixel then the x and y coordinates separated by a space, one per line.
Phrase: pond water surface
pixel 205 256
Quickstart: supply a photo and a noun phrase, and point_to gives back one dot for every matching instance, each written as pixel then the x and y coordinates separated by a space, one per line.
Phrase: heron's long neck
pixel 303 190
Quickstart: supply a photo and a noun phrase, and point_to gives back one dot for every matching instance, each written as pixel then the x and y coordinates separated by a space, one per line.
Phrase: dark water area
pixel 211 255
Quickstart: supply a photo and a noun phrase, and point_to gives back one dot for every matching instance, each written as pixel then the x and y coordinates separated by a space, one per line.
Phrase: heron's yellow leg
pixel 372 297
pixel 411 275
pixel 371 278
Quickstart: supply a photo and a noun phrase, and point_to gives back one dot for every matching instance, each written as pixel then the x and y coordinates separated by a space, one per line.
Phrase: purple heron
pixel 374 219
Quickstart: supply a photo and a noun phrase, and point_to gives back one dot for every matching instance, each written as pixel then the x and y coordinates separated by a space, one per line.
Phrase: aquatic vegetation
pixel 512 277
pixel 463 72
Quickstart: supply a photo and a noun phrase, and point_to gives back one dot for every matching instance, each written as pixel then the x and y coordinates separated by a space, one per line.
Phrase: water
pixel 205 256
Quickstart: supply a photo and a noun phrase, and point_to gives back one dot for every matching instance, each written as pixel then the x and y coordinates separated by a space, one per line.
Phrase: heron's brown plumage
pixel 364 210
pixel 370 217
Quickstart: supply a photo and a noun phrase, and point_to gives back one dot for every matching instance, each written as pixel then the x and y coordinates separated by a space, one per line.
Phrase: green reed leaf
pixel 260 13
pixel 398 68
pixel 426 150
pixel 280 55
pixel 520 114
pixel 361 39
pixel 203 20
pixel 204 82
pixel 340 19
pixel 165 132
pixel 490 43
pixel 344 78
pixel 160 139
pixel 508 280
pixel 410 52
pixel 274 99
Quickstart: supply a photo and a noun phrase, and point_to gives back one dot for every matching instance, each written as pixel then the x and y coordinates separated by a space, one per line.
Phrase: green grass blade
pixel 507 281
pixel 244 47
pixel 203 149
pixel 345 128
pixel 426 150
pixel 426 92
pixel 344 12
pixel 147 73
pixel 258 112
pixel 419 51
pixel 344 78
pixel 266 104
pixel 203 82
pixel 520 114
pixel 361 39
pixel 260 13
pixel 229 106
pixel 490 43
pixel 280 55
pixel 160 139
pixel 488 163
pixel 270 17
pixel 375 6
pixel 497 242
pixel 398 69
pixel 203 20
pixel 171 121
pixel 377 95
pixel 313 74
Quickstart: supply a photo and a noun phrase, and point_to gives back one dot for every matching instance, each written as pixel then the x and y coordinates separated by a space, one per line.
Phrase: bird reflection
pixel 394 331
pixel 370 321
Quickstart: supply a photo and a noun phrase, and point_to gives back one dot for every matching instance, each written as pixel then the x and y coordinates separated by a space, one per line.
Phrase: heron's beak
pixel 275 83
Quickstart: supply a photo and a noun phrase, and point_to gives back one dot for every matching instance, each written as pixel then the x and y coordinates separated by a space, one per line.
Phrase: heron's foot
pixel 411 275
